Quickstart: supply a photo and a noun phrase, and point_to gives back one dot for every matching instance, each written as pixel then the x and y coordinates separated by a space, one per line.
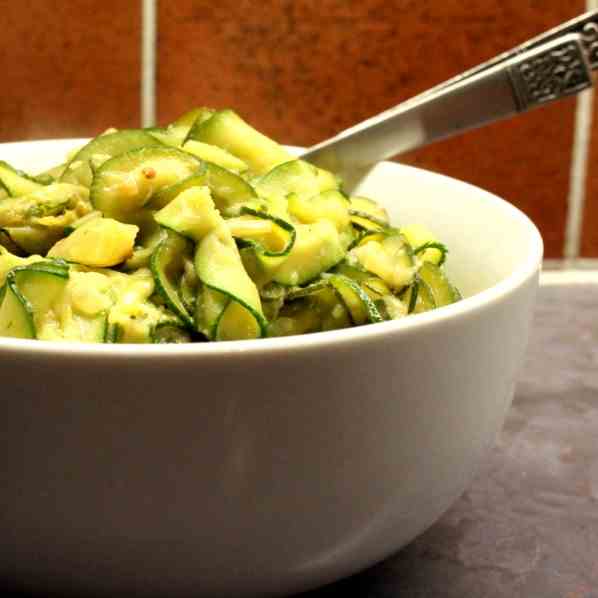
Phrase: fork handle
pixel 535 77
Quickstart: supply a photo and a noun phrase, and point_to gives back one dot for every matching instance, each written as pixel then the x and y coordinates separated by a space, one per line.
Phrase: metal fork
pixel 553 65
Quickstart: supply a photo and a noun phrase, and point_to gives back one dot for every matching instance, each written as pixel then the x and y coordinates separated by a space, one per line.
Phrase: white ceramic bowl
pixel 271 466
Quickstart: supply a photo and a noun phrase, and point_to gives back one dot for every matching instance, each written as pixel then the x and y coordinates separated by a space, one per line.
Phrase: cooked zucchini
pixel 168 268
pixel 367 214
pixel 33 294
pixel 15 182
pixel 228 130
pixel 425 244
pixel 295 177
pixel 442 290
pixel 78 169
pixel 126 183
pixel 215 155
pixel 99 242
pixel 391 259
pixel 203 229
pixel 317 248
pixel 219 267
pixel 170 333
pixel 229 191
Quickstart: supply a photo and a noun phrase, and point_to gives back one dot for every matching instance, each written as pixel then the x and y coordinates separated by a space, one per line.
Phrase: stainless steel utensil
pixel 556 64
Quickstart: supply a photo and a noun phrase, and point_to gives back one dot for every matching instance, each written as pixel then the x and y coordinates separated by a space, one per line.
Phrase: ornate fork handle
pixel 585 25
pixel 560 70
pixel 589 35
pixel 530 75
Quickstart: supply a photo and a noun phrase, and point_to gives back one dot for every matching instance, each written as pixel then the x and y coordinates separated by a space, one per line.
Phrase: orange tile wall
pixel 299 70
pixel 69 68
pixel 303 70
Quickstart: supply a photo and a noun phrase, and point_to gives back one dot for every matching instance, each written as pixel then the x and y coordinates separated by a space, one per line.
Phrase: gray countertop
pixel 527 527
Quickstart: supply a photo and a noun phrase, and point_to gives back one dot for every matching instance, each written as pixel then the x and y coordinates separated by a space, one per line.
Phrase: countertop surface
pixel 527 527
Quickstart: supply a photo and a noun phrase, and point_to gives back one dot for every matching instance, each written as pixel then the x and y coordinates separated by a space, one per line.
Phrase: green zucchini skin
pixel 166 333
pixel 78 169
pixel 229 191
pixel 442 290
pixel 16 182
pixel 228 236
pixel 167 267
pixel 16 313
pixel 288 228
pixel 228 130
pixel 137 175
pixel 29 291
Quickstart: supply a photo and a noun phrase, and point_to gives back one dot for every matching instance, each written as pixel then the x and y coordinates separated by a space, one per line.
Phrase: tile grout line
pixel 582 130
pixel 148 62
pixel 578 173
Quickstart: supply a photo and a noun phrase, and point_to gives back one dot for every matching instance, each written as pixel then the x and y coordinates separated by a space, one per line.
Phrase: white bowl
pixel 271 466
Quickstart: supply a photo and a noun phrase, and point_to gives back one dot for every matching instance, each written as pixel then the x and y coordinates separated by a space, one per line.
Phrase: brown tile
pixel 302 70
pixel 68 68
pixel 525 160
pixel 589 239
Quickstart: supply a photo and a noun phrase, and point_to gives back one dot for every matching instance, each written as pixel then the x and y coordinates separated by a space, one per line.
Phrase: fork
pixel 551 66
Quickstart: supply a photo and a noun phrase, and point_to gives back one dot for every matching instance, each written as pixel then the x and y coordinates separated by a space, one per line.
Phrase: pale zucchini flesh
pixel 202 229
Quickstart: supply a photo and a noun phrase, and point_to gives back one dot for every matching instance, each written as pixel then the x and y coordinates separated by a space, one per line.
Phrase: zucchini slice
pixel 176 133
pixel 16 182
pixel 170 333
pixel 238 308
pixel 331 311
pixel 168 267
pixel 329 205
pixel 114 333
pixel 7 242
pixel 168 136
pixel 268 235
pixel 418 297
pixel 83 329
pixel 78 169
pixel 99 243
pixel 215 155
pixel 191 213
pixel 53 173
pixel 16 317
pixel 228 190
pixel 367 215
pixel 123 185
pixel 296 177
pixel 391 259
pixel 32 297
pixel 297 317
pixel 144 248
pixel 3 192
pixel 425 244
pixel 45 201
pixel 69 228
pixel 134 315
pixel 442 290
pixel 193 120
pixel 375 287
pixel 317 248
pixel 306 291
pixel 193 117
pixel 33 240
pixel 360 307
pixel 228 130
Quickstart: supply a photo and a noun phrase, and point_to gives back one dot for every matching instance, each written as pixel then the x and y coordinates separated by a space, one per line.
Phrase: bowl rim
pixel 468 306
